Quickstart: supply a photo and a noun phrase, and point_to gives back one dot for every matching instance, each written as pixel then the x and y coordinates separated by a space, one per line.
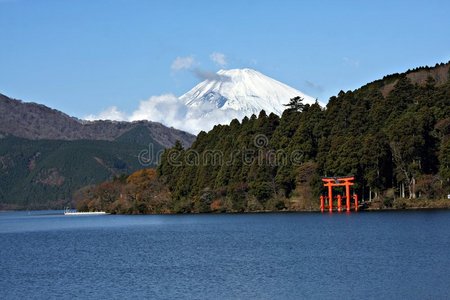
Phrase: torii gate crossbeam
pixel 331 182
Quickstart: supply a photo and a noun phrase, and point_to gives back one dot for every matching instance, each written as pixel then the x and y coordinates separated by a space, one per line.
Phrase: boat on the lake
pixel 70 212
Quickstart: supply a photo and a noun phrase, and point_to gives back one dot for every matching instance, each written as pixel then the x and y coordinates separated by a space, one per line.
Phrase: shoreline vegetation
pixel 391 135
pixel 143 193
pixel 399 205
pixel 402 205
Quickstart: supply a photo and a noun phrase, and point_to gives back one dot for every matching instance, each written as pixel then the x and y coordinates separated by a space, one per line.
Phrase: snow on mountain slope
pixel 239 93
pixel 224 96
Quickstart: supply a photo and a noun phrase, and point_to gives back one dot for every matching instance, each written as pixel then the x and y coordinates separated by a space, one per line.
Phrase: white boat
pixel 69 212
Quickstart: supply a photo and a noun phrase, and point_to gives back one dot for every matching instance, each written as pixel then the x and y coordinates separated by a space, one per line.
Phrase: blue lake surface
pixel 383 255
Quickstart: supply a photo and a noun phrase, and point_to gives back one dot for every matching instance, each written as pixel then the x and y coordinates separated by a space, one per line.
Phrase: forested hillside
pixel 46 155
pixel 45 173
pixel 393 135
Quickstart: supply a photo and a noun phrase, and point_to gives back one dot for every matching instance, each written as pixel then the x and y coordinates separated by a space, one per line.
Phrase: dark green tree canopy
pixel 296 104
pixel 393 135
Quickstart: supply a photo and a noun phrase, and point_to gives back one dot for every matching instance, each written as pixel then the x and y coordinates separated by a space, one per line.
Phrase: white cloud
pixel 219 58
pixel 166 109
pixel 111 113
pixel 182 62
pixel 172 112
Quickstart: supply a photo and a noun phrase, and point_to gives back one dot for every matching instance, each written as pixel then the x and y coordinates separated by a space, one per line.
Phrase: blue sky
pixel 84 56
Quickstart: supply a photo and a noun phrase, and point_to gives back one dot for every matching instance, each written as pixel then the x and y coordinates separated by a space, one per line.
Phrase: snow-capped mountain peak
pixel 224 96
pixel 241 92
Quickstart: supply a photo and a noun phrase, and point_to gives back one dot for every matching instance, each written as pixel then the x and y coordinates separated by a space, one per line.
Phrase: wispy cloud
pixel 314 86
pixel 351 62
pixel 182 63
pixel 218 58
pixel 189 63
pixel 208 75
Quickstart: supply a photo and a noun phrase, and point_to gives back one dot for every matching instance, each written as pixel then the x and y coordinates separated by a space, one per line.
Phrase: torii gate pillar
pixel 335 182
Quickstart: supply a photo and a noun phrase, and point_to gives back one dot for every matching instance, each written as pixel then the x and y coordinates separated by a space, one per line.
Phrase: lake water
pixel 384 255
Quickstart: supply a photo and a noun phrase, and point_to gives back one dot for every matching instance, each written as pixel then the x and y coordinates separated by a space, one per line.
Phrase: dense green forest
pixel 41 174
pixel 392 134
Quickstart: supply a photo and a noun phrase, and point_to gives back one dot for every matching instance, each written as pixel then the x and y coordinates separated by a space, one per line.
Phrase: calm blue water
pixel 256 256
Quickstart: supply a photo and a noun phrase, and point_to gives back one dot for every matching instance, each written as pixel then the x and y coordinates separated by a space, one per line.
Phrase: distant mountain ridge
pixel 46 155
pixel 36 121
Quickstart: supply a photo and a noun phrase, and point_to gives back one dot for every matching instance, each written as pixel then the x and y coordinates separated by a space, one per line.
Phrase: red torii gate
pixel 331 182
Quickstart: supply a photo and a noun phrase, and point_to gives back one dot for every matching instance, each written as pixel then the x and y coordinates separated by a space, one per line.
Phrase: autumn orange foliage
pixel 140 193
pixel 216 205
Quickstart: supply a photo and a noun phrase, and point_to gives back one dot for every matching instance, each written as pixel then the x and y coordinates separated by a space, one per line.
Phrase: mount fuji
pixel 222 97
pixel 237 93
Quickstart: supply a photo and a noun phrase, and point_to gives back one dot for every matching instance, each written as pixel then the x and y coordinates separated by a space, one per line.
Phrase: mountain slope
pixel 46 155
pixel 238 93
pixel 35 121
pixel 45 173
